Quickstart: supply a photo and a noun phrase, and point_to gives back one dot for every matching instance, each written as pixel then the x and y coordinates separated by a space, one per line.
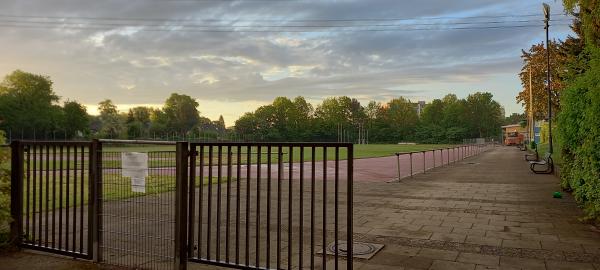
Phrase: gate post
pixel 16 193
pixel 181 203
pixel 96 199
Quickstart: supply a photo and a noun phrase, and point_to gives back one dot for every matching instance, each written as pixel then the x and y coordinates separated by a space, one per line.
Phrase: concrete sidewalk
pixel 486 212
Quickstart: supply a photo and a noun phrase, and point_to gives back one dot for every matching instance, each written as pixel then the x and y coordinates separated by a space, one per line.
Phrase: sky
pixel 235 55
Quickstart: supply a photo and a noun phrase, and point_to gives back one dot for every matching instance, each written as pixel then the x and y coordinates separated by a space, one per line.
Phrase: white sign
pixel 135 165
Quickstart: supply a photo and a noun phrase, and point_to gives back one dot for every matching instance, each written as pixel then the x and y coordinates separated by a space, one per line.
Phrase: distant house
pixel 420 107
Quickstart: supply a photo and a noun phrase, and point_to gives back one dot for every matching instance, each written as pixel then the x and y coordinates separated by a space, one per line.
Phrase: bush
pixel 4 192
pixel 533 145
pixel 579 133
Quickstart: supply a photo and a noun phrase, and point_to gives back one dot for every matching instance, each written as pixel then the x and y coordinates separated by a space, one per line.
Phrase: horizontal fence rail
pixel 53 196
pixel 411 163
pixel 270 205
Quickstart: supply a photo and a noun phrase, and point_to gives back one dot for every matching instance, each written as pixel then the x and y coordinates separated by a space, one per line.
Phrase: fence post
pixel 16 192
pixel 398 164
pixel 95 182
pixel 350 210
pixel 181 203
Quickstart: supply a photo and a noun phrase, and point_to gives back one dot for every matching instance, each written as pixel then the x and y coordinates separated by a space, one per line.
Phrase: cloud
pixel 132 65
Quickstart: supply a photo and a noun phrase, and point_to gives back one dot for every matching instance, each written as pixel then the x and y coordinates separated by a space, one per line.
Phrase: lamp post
pixel 548 86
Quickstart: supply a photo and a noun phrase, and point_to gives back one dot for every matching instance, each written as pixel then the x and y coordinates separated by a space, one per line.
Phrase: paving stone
pixel 539 237
pixel 537 225
pixel 448 265
pixel 523 263
pixel 451 237
pixel 466 225
pixel 521 230
pixel 469 232
pixel 562 265
pixel 438 254
pixel 521 244
pixel 488 241
pixel 502 235
pixel 479 259
pixel 441 229
pixel 557 245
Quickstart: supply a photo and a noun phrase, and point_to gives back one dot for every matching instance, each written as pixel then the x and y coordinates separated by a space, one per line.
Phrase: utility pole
pixel 531 121
pixel 549 85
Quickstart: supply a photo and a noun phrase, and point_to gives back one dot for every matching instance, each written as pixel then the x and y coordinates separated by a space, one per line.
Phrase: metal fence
pixel 52 193
pixel 271 205
pixel 411 163
pixel 240 205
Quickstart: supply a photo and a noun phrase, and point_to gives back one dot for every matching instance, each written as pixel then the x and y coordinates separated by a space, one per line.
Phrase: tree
pixel 75 119
pixel 181 112
pixel 396 121
pixel 514 118
pixel 28 104
pixel 485 115
pixel 534 61
pixel 111 124
pixel 138 122
pixel 588 12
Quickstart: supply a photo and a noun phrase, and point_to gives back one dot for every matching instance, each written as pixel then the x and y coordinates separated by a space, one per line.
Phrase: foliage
pixel 535 61
pixel 181 112
pixel 4 191
pixel 578 132
pixel 111 122
pixel 532 145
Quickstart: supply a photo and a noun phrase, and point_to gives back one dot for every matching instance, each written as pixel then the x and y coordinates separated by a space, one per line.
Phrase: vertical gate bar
pixel 53 196
pixel 81 201
pixel 424 164
pixel 247 231
pixel 16 191
pixel 433 158
pixel 219 176
pixel 228 220
pixel 209 204
pixel 34 195
pixel 324 207
pixel 290 204
pixel 181 203
pixel 335 202
pixel 301 210
pixel 268 207
pixel 47 201
pixel 41 193
pixel 192 200
pixel 411 166
pixel 448 156
pixel 96 166
pixel 350 210
pixel 312 208
pixel 200 198
pixel 67 196
pixel 279 176
pixel 257 241
pixel 27 232
pixel 74 240
pixel 238 200
pixel 60 196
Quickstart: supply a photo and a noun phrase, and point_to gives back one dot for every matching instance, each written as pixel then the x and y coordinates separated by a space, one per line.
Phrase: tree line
pixel 575 100
pixel 29 109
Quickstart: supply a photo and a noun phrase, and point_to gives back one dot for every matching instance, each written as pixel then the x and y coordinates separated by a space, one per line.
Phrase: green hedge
pixel 579 135
pixel 4 191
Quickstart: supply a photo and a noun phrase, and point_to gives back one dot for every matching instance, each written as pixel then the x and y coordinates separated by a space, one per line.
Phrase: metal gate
pixel 239 205
pixel 52 191
pixel 270 205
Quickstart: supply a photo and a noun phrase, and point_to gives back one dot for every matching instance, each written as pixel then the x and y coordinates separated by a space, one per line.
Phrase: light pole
pixel 548 86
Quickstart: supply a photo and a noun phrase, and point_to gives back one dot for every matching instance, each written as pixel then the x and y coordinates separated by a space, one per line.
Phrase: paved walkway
pixel 486 212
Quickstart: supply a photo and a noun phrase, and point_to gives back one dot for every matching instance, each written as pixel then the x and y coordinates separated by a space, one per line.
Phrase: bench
pixel 547 163
pixel 532 156
pixel 522 147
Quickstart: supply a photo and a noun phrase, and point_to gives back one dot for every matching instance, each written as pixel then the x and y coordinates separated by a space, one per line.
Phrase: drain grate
pixel 360 250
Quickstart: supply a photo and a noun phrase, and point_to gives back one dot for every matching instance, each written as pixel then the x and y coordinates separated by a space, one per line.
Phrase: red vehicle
pixel 514 138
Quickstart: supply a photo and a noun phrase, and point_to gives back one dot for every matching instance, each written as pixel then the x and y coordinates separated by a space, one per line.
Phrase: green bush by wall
pixel 579 135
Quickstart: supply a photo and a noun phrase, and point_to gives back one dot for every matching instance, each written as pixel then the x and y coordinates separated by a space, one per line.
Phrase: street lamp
pixel 548 86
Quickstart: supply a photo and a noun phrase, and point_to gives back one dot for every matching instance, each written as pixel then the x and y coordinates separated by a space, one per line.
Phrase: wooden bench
pixel 532 156
pixel 547 163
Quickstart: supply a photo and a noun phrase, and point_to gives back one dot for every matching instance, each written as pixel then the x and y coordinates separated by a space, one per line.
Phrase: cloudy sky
pixel 234 55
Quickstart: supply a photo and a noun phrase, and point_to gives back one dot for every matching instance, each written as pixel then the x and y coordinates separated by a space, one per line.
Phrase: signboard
pixel 135 166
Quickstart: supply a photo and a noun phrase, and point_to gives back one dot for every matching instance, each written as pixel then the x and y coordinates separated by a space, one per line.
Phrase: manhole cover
pixel 360 250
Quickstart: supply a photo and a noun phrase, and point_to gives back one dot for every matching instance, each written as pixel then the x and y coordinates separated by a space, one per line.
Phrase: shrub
pixel 4 192
pixel 579 133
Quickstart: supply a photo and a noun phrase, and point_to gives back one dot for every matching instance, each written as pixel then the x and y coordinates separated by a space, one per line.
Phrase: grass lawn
pixel 114 187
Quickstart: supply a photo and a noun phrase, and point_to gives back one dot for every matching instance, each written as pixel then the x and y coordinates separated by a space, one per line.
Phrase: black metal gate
pixel 52 191
pixel 239 205
pixel 270 205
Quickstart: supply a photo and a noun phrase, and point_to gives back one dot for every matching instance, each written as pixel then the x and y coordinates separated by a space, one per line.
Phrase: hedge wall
pixel 579 134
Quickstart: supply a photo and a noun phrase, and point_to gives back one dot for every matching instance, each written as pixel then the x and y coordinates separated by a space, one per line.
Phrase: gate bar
pixel 181 204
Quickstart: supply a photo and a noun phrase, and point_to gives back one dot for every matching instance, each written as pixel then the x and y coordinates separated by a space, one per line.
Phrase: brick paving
pixel 485 212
